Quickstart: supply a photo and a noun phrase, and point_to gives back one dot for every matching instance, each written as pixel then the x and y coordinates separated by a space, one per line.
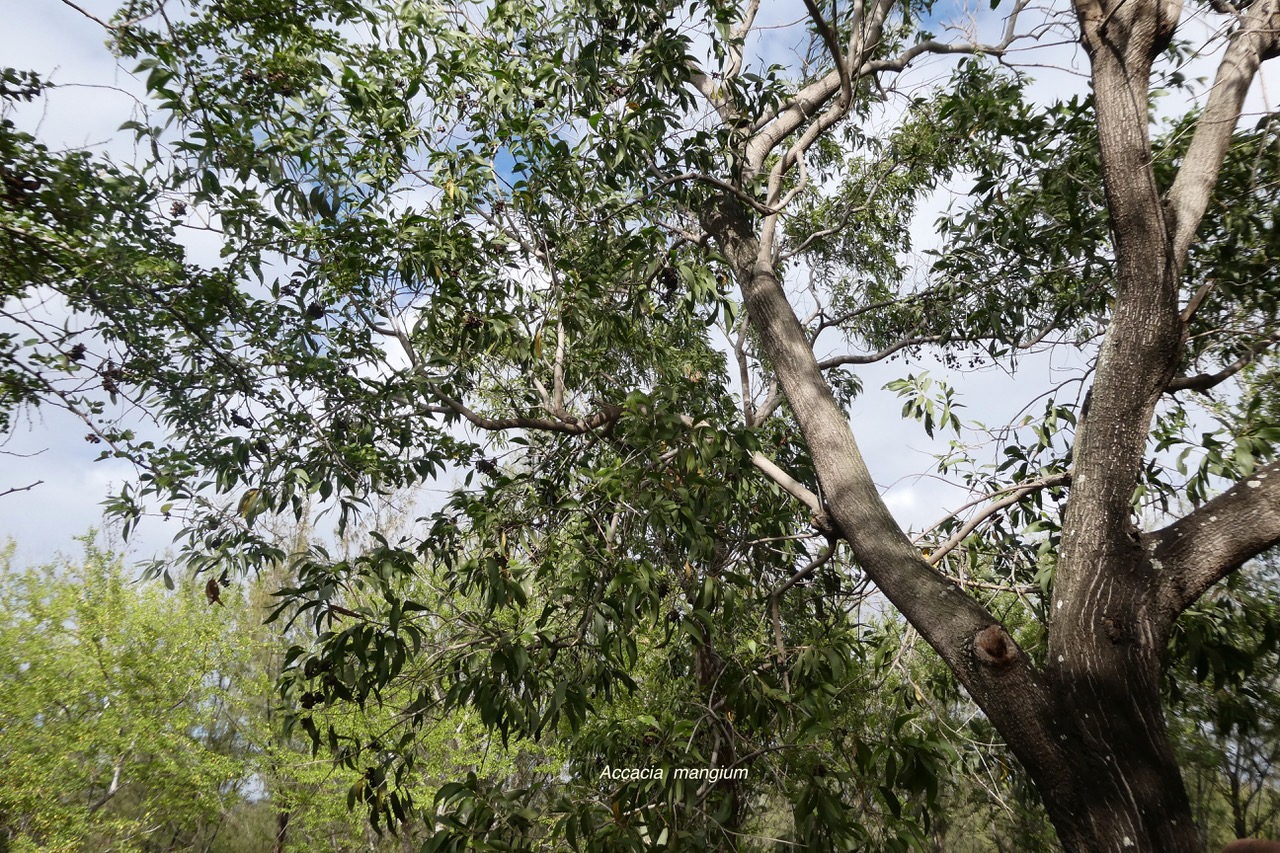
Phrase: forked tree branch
pixel 812 99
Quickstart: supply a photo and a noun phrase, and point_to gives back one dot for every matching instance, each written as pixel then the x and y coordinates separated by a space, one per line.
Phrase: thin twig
pixel 20 488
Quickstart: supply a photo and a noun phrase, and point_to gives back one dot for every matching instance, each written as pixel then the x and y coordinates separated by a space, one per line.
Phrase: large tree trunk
pixel 1127 790
pixel 1088 727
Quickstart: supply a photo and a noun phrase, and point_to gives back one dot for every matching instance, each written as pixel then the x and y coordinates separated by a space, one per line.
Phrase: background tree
pixel 115 715
pixel 493 240
pixel 1224 683
pixel 137 718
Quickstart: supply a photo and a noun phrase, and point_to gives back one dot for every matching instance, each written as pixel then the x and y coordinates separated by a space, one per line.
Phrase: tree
pixel 492 240
pixel 87 263
pixel 112 712
pixel 137 718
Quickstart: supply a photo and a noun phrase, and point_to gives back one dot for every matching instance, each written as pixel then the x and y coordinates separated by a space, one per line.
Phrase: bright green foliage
pixel 103 678
pixel 115 711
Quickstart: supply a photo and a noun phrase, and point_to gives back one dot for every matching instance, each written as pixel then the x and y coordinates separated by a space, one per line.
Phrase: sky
pixel 94 96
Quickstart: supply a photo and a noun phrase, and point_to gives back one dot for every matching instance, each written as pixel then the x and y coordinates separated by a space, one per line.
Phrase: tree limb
pixel 113 788
pixel 104 24
pixel 810 100
pixel 570 425
pixel 1019 492
pixel 15 489
pixel 829 39
pixel 1205 381
pixel 789 484
pixel 871 358
pixel 1257 38
pixel 744 372
pixel 947 617
pixel 807 572
pixel 1198 550
pixel 1196 300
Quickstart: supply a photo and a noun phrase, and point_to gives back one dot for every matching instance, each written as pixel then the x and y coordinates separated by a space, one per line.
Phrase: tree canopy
pixel 611 270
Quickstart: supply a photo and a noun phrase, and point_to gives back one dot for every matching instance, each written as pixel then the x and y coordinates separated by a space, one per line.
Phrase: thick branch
pixel 738 36
pixel 791 486
pixel 1198 550
pixel 1257 38
pixel 1144 339
pixel 1196 300
pixel 557 373
pixel 986 660
pixel 944 615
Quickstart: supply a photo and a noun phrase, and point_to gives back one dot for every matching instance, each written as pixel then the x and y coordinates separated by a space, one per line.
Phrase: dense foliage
pixel 141 719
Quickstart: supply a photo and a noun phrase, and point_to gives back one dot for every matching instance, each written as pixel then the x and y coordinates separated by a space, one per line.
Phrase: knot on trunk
pixel 993 646
pixel 1114 630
